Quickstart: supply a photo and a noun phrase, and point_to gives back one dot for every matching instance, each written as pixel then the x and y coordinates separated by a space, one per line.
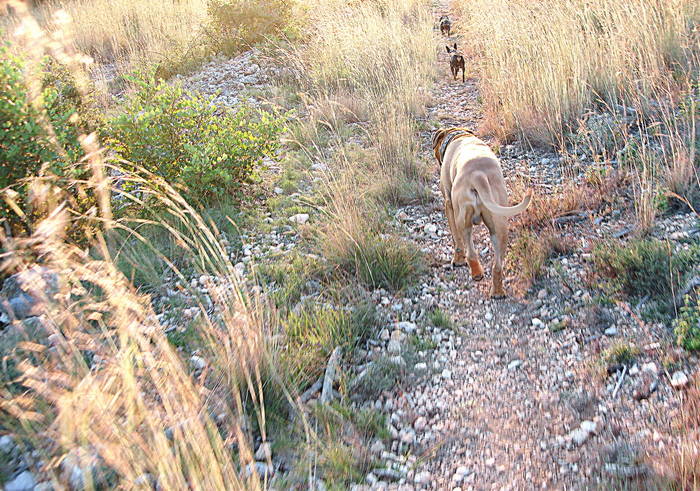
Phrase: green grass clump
pixel 646 267
pixel 290 278
pixel 622 354
pixel 687 325
pixel 439 318
pixel 387 262
pixel 313 333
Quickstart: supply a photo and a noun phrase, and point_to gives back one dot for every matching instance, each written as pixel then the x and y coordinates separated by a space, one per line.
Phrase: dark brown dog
pixel 445 25
pixel 456 62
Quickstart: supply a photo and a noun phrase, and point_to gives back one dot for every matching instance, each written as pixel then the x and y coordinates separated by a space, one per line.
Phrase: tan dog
pixel 471 181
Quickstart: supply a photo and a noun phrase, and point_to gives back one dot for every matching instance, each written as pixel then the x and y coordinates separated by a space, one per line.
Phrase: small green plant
pixel 687 325
pixel 313 333
pixel 291 278
pixel 185 138
pixel 621 354
pixel 439 318
pixel 646 267
pixel 421 343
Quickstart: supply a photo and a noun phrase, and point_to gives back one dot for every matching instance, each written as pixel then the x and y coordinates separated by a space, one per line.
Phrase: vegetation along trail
pixel 240 278
pixel 517 399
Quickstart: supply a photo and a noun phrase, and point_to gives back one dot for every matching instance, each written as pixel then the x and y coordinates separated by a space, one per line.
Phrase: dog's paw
pixel 498 295
pixel 478 277
pixel 454 264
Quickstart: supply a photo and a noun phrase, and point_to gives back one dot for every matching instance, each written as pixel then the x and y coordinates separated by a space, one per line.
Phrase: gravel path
pixel 514 401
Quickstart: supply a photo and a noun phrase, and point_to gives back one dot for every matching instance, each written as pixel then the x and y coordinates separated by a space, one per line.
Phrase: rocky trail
pixel 513 402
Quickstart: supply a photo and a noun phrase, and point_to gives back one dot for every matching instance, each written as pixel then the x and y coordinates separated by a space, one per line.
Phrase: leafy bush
pixel 646 267
pixel 26 147
pixel 189 141
pixel 687 325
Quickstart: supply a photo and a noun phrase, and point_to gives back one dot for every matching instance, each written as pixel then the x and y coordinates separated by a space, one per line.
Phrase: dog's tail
pixel 483 188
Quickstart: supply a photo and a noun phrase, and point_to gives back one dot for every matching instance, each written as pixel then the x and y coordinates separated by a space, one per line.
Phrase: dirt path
pixel 515 406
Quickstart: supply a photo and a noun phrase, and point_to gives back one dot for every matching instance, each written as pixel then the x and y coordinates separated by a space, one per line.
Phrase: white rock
pixel 679 379
pixel 23 482
pixel 384 334
pixel 579 436
pixel 514 364
pixel 420 423
pixel 264 452
pixel 589 426
pixel 423 478
pixel 611 331
pixel 421 367
pixel 430 228
pixel 299 218
pixel 488 316
pixel 650 367
pixel 6 444
pixel 446 374
pixel 537 322
pixel 278 190
pixel 197 362
pixel 407 435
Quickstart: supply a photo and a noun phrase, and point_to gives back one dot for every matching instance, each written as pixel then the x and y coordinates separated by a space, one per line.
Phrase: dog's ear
pixel 447 48
pixel 455 46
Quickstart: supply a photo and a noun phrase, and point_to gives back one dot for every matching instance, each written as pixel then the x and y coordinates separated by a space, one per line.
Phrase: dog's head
pixel 444 20
pixel 452 50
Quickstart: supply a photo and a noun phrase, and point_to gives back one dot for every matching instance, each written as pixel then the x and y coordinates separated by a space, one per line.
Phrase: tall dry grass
pixel 129 33
pixel 364 71
pixel 545 63
pixel 98 390
pixel 375 60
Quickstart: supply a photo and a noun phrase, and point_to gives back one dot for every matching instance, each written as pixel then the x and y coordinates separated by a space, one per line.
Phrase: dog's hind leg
pixel 498 228
pixel 459 257
pixel 477 271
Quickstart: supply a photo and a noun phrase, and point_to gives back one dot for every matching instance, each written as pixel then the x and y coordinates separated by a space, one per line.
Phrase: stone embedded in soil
pixel 299 218
pixel 25 481
pixel 679 379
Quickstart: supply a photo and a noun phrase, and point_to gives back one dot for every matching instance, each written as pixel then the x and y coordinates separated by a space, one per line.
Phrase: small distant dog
pixel 445 25
pixel 456 62
pixel 471 181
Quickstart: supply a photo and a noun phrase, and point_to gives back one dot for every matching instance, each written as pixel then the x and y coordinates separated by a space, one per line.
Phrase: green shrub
pixel 190 142
pixel 26 146
pixel 687 325
pixel 646 267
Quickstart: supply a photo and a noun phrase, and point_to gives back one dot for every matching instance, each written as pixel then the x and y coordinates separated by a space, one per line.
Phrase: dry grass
pixel 537 82
pixel 370 62
pixel 530 252
pixel 129 33
pixel 571 200
pixel 99 383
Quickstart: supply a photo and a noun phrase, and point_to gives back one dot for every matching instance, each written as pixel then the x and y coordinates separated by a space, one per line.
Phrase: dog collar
pixel 450 138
